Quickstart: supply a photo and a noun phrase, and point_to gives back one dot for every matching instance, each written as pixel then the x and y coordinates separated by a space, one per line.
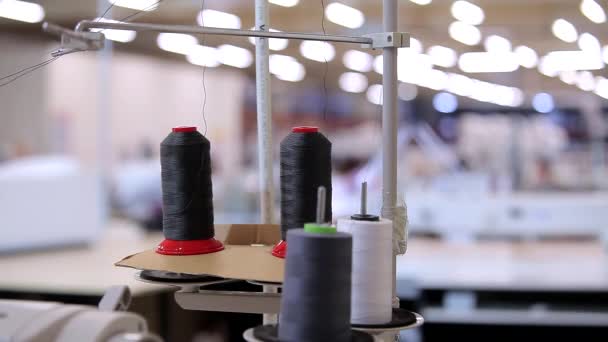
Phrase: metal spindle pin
pixel 321 205
pixel 364 198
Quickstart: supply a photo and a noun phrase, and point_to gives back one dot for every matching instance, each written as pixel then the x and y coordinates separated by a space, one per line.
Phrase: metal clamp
pixel 387 40
pixel 72 41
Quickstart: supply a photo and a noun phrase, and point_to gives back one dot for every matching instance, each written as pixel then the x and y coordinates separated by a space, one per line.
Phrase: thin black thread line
pixel 31 69
pixel 204 100
pixel 106 12
pixel 26 69
pixel 326 63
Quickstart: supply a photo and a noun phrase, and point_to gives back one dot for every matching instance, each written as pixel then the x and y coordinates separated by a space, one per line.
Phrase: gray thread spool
pixel 315 305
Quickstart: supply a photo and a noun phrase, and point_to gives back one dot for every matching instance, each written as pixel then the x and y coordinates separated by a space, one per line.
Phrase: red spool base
pixel 191 247
pixel 305 129
pixel 280 249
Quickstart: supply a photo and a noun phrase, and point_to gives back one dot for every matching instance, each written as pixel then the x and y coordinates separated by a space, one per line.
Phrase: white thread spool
pixel 371 292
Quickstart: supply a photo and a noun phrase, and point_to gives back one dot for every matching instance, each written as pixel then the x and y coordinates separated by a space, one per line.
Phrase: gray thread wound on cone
pixel 315 304
pixel 305 165
pixel 186 183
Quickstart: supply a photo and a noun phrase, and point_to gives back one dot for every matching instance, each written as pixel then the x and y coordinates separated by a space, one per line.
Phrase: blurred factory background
pixel 502 146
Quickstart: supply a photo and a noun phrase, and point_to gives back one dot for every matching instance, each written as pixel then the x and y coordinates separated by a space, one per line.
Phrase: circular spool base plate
pixel 280 249
pixel 172 277
pixel 189 247
pixel 270 333
pixel 402 320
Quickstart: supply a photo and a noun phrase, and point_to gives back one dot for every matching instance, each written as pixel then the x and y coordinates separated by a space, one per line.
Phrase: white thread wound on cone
pixel 371 294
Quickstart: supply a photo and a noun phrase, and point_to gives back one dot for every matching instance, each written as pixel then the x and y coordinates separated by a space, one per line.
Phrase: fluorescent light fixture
pixel 557 61
pixel 235 56
pixel 601 87
pixel 568 77
pixel 275 44
pixel 543 103
pixel 344 15
pixel 407 91
pixel 483 91
pixel 564 30
pixel 464 33
pixel 413 67
pixel 317 51
pixel 475 62
pixel 445 103
pixel 442 56
pixel 286 68
pixel 585 81
pixel 176 42
pixel 374 94
pixel 415 46
pixel 593 11
pixel 588 43
pixel 121 36
pixel 497 44
pixel 526 56
pixel 467 12
pixel 547 69
pixel 284 3
pixel 203 55
pixel 433 79
pixel 459 85
pixel 605 54
pixel 140 5
pixel 21 10
pixel 213 18
pixel 421 2
pixel 353 82
pixel 507 96
pixel 358 60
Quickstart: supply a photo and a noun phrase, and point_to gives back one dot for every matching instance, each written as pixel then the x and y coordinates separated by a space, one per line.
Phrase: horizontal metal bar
pixel 89 24
pixel 229 301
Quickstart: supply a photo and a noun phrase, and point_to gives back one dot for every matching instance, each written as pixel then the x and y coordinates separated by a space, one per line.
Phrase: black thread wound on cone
pixel 305 165
pixel 315 303
pixel 186 184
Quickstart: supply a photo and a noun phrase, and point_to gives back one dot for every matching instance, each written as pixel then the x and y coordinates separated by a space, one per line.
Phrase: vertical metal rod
pixel 103 114
pixel 390 11
pixel 264 119
pixel 321 205
pixel 364 198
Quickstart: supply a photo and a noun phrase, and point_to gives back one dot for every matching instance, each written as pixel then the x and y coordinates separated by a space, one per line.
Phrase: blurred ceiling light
pixel 433 79
pixel 526 57
pixel 415 45
pixel 601 87
pixel 557 61
pixel 213 18
pixel 203 55
pixel 475 62
pixel 344 15
pixel 588 43
pixel 374 94
pixel 22 11
pixel 585 81
pixel 358 60
pixel 286 68
pixel 507 96
pixel 140 5
pixel 421 2
pixel 564 30
pixel 442 56
pixel 176 42
pixel 568 77
pixel 459 84
pixel 546 68
pixel 483 91
pixel 235 56
pixel 121 36
pixel 275 44
pixel 467 12
pixel 407 91
pixel 543 103
pixel 284 3
pixel 445 103
pixel 317 51
pixel 409 63
pixel 497 44
pixel 593 11
pixel 605 54
pixel 353 82
pixel 465 33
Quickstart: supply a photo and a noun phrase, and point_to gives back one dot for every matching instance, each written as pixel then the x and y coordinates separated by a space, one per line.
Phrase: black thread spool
pixel 305 166
pixel 187 194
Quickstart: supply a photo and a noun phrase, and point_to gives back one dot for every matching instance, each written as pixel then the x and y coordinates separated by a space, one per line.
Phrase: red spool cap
pixel 280 249
pixel 305 129
pixel 191 247
pixel 184 129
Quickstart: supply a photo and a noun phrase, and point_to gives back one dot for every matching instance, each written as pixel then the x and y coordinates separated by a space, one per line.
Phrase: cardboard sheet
pixel 246 256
